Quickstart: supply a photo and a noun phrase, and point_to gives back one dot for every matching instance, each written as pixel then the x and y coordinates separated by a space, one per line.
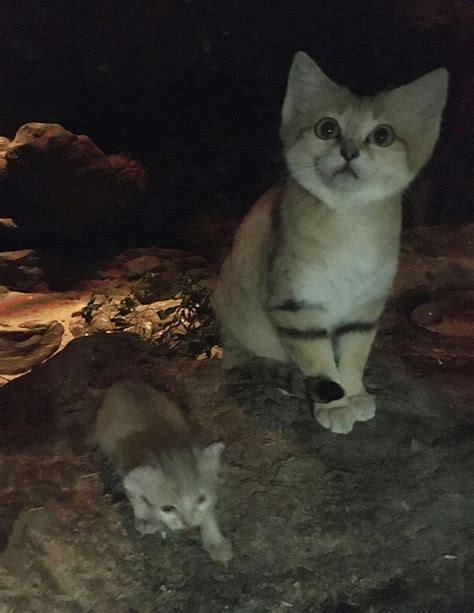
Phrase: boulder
pixel 61 184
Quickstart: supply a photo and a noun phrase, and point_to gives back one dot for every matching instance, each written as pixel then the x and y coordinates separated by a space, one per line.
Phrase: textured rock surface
pixel 151 276
pixel 22 271
pixel 62 185
pixel 380 519
pixel 22 349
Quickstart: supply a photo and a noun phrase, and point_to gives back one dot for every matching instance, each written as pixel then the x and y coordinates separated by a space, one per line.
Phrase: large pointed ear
pixel 416 110
pixel 307 85
pixel 210 457
pixel 425 98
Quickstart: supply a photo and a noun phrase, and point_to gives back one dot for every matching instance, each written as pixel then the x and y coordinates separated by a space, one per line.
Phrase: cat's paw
pixel 220 551
pixel 339 420
pixel 363 406
pixel 145 526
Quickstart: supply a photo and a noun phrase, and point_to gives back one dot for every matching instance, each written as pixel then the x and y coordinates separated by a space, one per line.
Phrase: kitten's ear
pixel 424 98
pixel 210 457
pixel 140 479
pixel 306 82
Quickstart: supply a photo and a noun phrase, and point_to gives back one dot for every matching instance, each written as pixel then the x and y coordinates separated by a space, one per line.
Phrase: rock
pixel 4 205
pixel 156 286
pixel 140 265
pixel 427 315
pixel 311 514
pixel 133 179
pixel 24 348
pixel 442 240
pixel 61 184
pixel 198 274
pixel 22 271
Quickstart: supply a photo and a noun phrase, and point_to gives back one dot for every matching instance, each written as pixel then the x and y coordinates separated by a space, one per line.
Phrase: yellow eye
pixel 327 128
pixel 382 136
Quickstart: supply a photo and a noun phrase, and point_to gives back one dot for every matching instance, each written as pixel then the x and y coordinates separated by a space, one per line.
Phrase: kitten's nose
pixel 349 151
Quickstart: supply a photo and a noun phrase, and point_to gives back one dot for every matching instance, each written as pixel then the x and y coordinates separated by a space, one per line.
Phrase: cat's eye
pixel 168 508
pixel 327 128
pixel 201 499
pixel 146 501
pixel 382 136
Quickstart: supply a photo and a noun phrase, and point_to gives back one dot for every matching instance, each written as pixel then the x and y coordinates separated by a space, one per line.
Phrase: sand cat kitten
pixel 312 263
pixel 169 479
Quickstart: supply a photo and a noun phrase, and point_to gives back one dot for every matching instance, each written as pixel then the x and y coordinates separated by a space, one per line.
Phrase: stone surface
pixel 380 519
pixel 133 179
pixel 22 271
pixel 61 184
pixel 31 314
pixel 150 278
pixel 22 349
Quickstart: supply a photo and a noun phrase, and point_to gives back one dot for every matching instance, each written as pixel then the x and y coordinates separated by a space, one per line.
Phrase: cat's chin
pixel 343 191
pixel 340 192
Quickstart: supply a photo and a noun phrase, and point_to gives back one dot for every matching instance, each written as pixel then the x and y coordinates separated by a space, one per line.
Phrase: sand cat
pixel 169 479
pixel 313 262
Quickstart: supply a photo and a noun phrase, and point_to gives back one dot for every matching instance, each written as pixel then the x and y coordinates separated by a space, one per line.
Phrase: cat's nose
pixel 349 151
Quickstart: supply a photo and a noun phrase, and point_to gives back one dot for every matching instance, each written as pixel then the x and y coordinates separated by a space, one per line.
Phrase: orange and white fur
pixel 313 262
pixel 170 480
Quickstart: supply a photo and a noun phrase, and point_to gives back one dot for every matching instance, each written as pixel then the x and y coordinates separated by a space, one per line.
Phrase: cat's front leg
pixel 353 342
pixel 216 545
pixel 303 331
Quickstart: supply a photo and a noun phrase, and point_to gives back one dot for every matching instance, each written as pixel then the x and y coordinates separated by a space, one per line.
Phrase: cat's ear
pixel 306 83
pixel 424 98
pixel 416 110
pixel 210 457
pixel 140 479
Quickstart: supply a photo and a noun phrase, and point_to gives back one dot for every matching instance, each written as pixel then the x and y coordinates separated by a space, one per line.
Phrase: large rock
pixel 24 348
pixel 22 271
pixel 61 184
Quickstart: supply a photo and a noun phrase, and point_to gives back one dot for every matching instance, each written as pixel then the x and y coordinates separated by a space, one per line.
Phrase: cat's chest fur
pixel 337 261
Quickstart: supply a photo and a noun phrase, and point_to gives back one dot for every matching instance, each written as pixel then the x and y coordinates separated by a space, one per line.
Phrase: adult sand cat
pixel 312 263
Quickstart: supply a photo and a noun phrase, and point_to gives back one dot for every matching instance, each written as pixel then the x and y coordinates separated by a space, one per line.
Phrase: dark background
pixel 193 88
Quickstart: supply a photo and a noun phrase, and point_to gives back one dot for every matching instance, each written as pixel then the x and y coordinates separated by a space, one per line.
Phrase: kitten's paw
pixel 339 420
pixel 363 406
pixel 145 527
pixel 220 551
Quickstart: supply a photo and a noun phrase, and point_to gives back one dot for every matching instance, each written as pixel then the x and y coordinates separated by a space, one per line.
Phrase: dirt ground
pixel 379 520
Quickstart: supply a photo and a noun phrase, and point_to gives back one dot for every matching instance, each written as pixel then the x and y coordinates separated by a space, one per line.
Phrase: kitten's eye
pixel 382 136
pixel 168 508
pixel 327 128
pixel 201 499
pixel 147 502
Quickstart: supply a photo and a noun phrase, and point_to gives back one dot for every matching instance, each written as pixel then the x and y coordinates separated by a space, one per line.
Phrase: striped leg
pixel 353 342
pixel 303 331
pixel 353 346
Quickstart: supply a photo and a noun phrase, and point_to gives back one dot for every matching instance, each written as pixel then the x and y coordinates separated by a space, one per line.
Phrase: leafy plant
pixel 190 326
pixel 186 328
pixel 87 311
